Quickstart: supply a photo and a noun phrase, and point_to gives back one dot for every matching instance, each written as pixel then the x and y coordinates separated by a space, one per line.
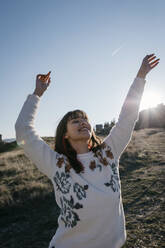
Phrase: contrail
pixel 117 50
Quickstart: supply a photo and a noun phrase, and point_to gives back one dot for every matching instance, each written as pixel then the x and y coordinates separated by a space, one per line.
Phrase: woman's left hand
pixel 149 62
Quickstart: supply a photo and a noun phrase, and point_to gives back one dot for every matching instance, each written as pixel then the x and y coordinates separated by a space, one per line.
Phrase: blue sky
pixel 94 49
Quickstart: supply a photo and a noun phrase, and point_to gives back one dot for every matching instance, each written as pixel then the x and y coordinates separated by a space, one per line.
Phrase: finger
pixel 49 82
pixel 47 75
pixel 154 62
pixel 39 75
pixel 43 78
pixel 151 58
pixel 150 55
pixel 44 75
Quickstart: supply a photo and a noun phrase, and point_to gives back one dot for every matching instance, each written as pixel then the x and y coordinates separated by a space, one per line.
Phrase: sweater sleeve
pixel 121 133
pixel 35 148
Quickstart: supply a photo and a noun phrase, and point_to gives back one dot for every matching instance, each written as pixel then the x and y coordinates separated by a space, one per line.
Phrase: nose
pixel 82 122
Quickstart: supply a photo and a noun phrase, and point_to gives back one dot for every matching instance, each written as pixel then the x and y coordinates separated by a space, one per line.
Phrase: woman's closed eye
pixel 77 121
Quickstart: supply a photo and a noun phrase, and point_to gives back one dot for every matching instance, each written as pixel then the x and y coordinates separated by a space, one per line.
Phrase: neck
pixel 80 146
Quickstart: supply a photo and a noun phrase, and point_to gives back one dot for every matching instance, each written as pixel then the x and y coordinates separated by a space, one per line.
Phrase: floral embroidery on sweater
pixel 114 185
pixel 68 167
pixel 61 182
pixel 93 165
pixel 109 154
pixel 68 216
pixel 60 161
pixel 114 169
pixel 102 159
pixel 114 181
pixel 114 178
pixel 80 191
pixel 103 145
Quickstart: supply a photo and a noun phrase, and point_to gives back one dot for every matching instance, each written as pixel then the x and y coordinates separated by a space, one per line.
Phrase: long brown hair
pixel 63 146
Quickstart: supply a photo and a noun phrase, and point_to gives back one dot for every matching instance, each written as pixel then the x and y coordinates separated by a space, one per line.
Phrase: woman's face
pixel 78 129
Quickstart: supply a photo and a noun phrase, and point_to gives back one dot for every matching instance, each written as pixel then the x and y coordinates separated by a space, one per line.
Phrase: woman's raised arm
pixel 34 147
pixel 121 133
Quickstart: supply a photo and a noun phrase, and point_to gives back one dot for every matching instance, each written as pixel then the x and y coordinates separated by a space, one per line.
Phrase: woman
pixel 83 169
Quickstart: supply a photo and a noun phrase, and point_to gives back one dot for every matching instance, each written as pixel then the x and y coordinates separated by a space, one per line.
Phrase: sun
pixel 150 99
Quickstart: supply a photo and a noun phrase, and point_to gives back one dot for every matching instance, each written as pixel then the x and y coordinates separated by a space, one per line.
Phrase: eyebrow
pixel 78 118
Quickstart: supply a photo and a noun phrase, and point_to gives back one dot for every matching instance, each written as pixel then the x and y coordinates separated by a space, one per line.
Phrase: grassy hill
pixel 28 211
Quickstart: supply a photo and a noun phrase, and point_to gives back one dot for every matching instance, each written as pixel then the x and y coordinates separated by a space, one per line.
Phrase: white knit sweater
pixel 91 206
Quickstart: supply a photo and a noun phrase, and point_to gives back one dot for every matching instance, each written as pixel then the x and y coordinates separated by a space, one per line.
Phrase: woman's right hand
pixel 42 83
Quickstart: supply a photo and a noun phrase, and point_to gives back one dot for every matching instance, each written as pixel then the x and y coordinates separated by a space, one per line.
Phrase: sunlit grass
pixel 29 212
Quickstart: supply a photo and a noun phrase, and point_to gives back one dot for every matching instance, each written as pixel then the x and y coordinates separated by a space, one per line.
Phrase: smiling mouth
pixel 83 129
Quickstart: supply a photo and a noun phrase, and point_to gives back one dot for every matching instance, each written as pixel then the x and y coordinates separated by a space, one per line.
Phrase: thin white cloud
pixel 117 50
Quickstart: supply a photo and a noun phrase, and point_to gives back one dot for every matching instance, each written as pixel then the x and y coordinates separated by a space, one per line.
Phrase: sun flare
pixel 150 100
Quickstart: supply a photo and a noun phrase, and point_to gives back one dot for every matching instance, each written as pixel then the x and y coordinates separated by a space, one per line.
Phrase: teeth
pixel 83 129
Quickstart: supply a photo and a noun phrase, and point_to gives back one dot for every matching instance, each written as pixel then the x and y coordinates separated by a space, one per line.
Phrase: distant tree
pixel 105 128
pixel 108 126
pixel 112 123
pixel 151 118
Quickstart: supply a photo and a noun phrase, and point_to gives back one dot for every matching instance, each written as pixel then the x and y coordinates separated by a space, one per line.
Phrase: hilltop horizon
pixel 140 112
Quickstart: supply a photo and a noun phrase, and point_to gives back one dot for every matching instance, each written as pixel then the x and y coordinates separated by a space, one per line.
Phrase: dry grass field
pixel 28 211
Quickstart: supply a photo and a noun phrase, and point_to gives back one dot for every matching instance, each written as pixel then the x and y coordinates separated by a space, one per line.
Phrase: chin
pixel 87 136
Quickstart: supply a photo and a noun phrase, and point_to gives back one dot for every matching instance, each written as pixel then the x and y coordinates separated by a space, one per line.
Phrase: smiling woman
pixel 150 99
pixel 84 169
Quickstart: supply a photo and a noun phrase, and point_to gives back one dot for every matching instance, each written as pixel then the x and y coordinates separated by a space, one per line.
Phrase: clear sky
pixel 94 49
